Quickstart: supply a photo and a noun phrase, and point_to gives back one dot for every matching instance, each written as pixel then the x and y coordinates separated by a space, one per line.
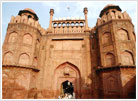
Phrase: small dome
pixel 109 6
pixel 29 9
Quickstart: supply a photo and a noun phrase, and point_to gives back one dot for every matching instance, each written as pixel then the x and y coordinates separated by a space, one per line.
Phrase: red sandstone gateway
pixel 70 58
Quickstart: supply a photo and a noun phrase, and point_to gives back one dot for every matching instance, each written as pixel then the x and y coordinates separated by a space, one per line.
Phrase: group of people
pixel 67 96
pixel 68 91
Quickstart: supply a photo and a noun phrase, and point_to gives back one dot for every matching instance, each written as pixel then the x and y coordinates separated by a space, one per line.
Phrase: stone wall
pixel 16 82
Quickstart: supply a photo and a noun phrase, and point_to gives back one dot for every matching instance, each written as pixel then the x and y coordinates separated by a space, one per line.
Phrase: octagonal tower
pixel 117 53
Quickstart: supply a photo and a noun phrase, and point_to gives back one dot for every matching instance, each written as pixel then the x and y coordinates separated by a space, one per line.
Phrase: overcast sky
pixel 60 8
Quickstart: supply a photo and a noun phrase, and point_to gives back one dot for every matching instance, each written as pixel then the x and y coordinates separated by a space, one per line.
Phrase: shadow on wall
pixel 86 87
pixel 111 86
pixel 129 89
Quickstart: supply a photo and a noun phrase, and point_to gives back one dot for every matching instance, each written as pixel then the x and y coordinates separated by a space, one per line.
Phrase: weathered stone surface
pixel 99 62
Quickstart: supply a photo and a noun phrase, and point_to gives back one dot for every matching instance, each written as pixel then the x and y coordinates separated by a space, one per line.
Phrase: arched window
pixel 24 59
pixel 110 59
pixel 63 24
pixel 12 37
pixel 81 23
pixel 127 58
pixel 113 11
pixel 27 39
pixel 59 24
pixel 55 24
pixel 106 38
pixel 68 24
pixel 122 34
pixel 77 24
pixel 29 16
pixel 8 58
pixel 72 24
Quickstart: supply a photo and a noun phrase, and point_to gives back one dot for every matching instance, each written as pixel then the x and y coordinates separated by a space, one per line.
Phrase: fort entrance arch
pixel 67 72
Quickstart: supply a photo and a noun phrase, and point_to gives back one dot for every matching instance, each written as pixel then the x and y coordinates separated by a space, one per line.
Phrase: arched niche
pixel 24 59
pixel 77 23
pixel 54 24
pixel 112 87
pixel 63 24
pixel 127 58
pixel 70 72
pixel 12 37
pixel 72 24
pixel 122 34
pixel 109 59
pixel 112 83
pixel 27 39
pixel 106 38
pixel 8 58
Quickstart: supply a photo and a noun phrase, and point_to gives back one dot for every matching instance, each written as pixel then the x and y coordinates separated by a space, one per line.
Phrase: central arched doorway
pixel 64 73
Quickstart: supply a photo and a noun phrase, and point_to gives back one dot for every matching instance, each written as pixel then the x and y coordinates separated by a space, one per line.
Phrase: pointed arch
pixel 106 38
pixel 68 63
pixel 127 58
pixel 112 84
pixel 122 34
pixel 70 72
pixel 110 59
pixel 27 39
pixel 24 59
pixel 8 58
pixel 12 37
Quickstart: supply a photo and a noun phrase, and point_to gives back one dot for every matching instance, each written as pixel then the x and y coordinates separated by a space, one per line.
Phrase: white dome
pixel 64 18
pixel 68 18
pixel 56 19
pixel 60 19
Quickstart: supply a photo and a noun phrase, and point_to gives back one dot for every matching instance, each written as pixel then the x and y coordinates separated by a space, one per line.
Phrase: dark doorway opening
pixel 67 87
